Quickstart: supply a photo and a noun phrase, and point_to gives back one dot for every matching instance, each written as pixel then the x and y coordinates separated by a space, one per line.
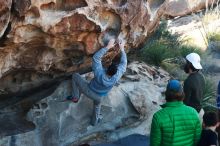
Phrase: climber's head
pixel 113 67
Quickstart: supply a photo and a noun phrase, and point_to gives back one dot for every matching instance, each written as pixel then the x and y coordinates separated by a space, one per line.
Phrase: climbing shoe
pixel 73 99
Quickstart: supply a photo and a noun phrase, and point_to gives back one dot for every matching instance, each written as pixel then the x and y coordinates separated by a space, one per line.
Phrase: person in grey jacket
pixel 103 81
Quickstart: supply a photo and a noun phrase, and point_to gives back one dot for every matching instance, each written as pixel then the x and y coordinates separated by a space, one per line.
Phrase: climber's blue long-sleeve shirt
pixel 101 83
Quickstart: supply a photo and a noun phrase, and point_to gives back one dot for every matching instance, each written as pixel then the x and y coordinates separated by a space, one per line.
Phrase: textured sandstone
pixel 53 37
pixel 176 8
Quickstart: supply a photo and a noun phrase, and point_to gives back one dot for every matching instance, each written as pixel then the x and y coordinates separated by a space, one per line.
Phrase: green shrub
pixel 209 91
pixel 155 53
pixel 159 46
pixel 161 51
pixel 162 46
pixel 185 50
pixel 209 95
pixel 214 37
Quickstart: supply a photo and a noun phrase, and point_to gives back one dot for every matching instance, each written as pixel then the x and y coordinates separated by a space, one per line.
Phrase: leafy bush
pixel 214 37
pixel 209 99
pixel 161 50
pixel 164 46
pixel 155 53
pixel 185 50
pixel 209 91
pixel 159 46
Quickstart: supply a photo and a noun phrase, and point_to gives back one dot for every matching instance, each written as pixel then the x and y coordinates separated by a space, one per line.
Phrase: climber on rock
pixel 103 81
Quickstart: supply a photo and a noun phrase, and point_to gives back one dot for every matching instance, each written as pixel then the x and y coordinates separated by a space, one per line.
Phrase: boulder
pixel 42 40
pixel 176 8
pixel 127 110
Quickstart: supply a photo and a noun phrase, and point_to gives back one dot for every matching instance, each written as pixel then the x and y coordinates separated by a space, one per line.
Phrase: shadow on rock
pixel 13 109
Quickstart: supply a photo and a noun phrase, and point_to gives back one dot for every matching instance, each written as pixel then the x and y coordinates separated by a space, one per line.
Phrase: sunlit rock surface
pixel 44 39
pixel 52 36
pixel 176 8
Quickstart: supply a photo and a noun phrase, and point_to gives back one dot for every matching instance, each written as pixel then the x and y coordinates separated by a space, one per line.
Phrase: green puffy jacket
pixel 175 125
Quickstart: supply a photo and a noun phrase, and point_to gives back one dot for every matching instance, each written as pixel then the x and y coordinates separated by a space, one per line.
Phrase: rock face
pixel 176 8
pixel 127 110
pixel 43 39
pixel 57 34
